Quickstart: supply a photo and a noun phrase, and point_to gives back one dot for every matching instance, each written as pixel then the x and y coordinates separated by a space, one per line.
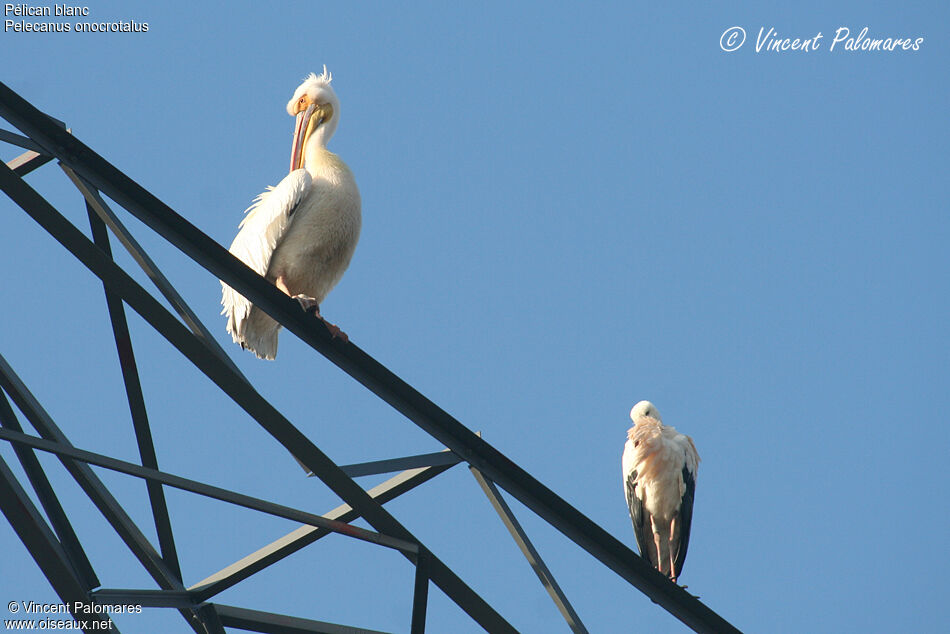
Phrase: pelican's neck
pixel 324 165
pixel 316 152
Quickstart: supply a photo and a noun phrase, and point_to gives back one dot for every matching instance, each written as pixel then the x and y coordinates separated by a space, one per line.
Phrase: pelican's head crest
pixel 317 90
pixel 317 110
pixel 323 78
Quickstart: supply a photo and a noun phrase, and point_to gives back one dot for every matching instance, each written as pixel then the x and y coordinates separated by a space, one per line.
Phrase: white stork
pixel 301 234
pixel 659 480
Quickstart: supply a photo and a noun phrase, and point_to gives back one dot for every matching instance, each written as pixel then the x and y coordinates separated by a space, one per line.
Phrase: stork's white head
pixel 642 409
pixel 317 110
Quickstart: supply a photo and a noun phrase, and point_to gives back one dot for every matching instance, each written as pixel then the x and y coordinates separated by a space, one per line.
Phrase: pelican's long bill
pixel 308 120
pixel 302 131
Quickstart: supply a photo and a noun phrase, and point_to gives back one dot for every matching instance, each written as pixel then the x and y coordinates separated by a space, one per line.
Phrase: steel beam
pixel 240 391
pixel 54 510
pixel 178 599
pixel 208 614
pixel 256 621
pixel 89 482
pixel 420 594
pixel 375 467
pixel 65 451
pixel 102 210
pixel 20 141
pixel 530 552
pixel 133 390
pixel 45 549
pixel 435 421
pixel 91 485
pixel 182 601
pixel 305 535
pixel 28 161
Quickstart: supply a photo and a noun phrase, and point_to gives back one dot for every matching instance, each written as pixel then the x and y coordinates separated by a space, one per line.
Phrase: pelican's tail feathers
pixel 252 329
pixel 260 335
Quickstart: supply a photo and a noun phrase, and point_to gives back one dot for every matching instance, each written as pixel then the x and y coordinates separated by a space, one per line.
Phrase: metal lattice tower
pixel 51 539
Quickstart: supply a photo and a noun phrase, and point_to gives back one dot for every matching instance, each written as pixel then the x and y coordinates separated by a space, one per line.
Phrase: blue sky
pixel 566 208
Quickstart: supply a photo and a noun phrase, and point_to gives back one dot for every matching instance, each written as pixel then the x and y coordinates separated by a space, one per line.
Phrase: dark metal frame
pixel 57 549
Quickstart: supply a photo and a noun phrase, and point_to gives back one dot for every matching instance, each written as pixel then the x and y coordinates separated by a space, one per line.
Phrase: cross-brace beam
pixel 240 391
pixel 45 549
pixel 348 357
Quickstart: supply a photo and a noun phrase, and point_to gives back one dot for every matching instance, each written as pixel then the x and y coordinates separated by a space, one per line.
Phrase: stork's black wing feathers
pixel 641 521
pixel 684 520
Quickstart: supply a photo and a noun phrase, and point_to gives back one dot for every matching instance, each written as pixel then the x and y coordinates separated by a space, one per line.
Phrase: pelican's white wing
pixel 265 223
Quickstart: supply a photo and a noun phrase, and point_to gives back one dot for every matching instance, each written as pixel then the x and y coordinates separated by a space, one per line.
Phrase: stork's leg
pixel 659 552
pixel 661 560
pixel 674 538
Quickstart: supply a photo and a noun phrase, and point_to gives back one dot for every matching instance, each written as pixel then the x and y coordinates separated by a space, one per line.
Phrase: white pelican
pixel 659 480
pixel 301 234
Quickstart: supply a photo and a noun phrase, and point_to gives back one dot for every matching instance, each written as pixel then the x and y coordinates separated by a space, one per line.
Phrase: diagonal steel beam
pixel 145 598
pixel 305 535
pixel 91 485
pixel 399 394
pixel 43 546
pixel 182 601
pixel 255 621
pixel 28 161
pixel 208 614
pixel 21 141
pixel 207 490
pixel 89 482
pixel 241 392
pixel 437 458
pixel 133 390
pixel 96 202
pixel 44 491
pixel 162 599
pixel 531 554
